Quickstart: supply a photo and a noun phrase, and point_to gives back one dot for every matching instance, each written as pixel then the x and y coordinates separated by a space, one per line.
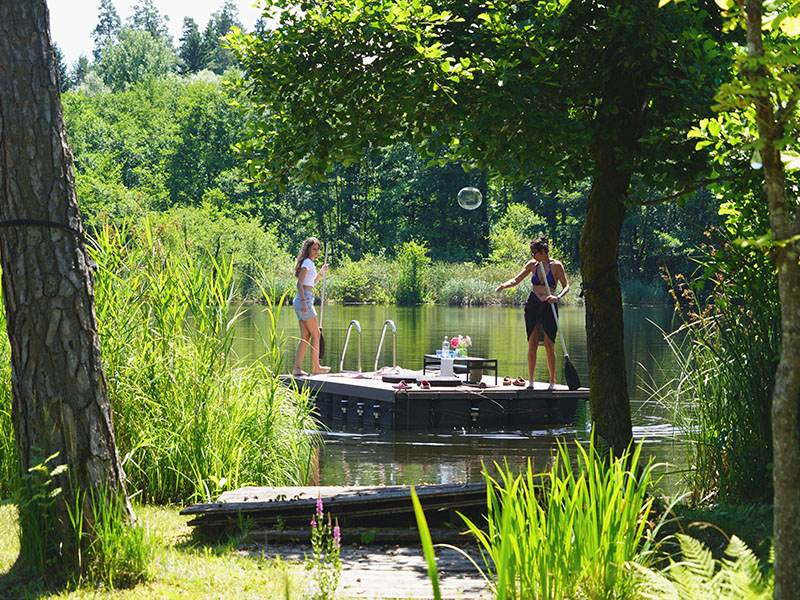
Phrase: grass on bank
pixel 181 568
pixel 187 569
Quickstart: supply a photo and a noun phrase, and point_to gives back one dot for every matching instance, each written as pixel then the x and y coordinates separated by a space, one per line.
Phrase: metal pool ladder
pixel 346 340
pixel 391 324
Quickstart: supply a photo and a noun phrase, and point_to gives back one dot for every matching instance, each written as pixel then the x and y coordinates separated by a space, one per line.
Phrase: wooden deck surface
pixel 370 386
pixel 268 506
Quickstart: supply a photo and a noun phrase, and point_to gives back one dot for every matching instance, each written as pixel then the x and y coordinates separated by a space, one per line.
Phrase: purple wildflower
pixel 313 523
pixel 319 507
pixel 337 536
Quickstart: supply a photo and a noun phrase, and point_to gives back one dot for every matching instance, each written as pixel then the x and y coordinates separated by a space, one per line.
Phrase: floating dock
pixel 372 401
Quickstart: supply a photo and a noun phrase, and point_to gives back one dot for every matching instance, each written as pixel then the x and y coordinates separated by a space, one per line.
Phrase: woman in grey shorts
pixel 307 278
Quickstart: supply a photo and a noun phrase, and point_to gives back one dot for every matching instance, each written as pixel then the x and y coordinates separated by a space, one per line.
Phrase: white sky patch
pixel 72 22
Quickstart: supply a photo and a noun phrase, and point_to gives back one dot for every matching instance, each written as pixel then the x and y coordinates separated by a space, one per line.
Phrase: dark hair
pixel 304 254
pixel 539 244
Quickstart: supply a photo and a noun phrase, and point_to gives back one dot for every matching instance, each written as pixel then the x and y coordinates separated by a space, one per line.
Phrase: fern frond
pixel 699 577
pixel 742 573
pixel 696 557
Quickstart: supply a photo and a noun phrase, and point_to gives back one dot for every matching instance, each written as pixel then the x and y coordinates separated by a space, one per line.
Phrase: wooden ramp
pixel 353 506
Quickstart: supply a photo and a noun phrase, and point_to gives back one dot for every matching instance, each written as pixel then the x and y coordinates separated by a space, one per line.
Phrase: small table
pixel 471 362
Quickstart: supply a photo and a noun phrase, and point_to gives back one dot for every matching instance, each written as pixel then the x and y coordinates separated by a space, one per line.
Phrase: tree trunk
pixel 618 124
pixel 785 433
pixel 605 213
pixel 59 397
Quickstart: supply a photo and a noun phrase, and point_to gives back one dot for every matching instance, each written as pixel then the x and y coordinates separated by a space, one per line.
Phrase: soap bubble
pixel 755 161
pixel 469 198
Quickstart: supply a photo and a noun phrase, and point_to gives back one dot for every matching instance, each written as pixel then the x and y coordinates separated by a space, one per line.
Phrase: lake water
pixel 496 332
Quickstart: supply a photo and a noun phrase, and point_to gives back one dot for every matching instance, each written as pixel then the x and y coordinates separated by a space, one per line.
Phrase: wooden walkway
pixel 354 506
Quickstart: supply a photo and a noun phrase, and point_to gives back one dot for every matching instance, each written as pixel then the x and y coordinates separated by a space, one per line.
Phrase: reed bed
pixel 726 356
pixel 570 532
pixel 191 421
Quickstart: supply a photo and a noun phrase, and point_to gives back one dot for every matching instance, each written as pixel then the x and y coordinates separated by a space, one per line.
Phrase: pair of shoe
pixel 519 381
pixel 425 384
pixel 402 385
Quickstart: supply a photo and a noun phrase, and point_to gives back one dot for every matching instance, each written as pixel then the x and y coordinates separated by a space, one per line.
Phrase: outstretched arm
pixel 520 276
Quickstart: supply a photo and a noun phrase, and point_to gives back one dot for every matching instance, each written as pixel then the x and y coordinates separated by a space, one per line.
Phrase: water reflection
pixel 429 458
pixel 497 332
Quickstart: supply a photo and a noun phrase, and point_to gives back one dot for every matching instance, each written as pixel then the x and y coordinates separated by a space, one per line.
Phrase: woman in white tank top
pixel 307 278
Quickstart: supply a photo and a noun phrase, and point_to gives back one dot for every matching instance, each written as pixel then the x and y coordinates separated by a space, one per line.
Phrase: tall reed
pixel 570 531
pixel 191 420
pixel 727 354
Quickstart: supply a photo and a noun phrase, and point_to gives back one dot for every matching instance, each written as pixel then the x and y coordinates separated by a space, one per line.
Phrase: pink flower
pixel 454 342
pixel 337 536
pixel 319 507
pixel 313 523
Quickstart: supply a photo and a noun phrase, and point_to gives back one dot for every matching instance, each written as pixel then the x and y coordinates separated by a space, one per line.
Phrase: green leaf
pixel 427 543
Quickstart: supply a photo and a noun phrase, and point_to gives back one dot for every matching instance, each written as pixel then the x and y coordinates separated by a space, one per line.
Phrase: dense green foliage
pixel 412 281
pixel 699 575
pixel 165 146
pixel 145 141
pixel 459 80
pixel 569 531
pixel 573 531
pixel 731 307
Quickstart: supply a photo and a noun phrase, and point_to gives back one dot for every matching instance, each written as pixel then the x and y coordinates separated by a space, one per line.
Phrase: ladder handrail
pixel 394 343
pixel 347 339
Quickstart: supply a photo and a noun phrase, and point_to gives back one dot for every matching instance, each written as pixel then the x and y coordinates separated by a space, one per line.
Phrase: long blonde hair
pixel 304 254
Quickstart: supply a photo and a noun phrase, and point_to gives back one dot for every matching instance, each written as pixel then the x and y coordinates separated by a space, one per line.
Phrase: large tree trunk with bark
pixel 59 397
pixel 784 226
pixel 605 213
pixel 618 124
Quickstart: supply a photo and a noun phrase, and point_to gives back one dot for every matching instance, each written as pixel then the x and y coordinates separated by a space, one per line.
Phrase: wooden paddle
pixel 570 372
pixel 322 306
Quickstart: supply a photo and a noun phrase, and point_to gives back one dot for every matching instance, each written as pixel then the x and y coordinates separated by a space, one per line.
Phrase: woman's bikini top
pixel 551 280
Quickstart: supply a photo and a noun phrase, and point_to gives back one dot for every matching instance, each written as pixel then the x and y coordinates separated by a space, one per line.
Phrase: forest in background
pixel 155 127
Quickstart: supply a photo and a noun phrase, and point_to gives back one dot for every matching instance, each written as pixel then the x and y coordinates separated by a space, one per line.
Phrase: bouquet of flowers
pixel 460 344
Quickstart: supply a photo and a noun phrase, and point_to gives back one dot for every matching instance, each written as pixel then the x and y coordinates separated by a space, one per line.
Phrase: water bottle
pixel 445 348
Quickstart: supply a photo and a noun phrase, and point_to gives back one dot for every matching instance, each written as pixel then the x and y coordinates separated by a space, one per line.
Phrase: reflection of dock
pixel 365 402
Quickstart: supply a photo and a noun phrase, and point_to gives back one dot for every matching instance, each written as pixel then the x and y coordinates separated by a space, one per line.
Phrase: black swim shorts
pixel 537 312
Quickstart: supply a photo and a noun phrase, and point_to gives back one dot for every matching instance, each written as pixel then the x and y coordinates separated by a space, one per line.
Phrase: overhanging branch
pixel 694 188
